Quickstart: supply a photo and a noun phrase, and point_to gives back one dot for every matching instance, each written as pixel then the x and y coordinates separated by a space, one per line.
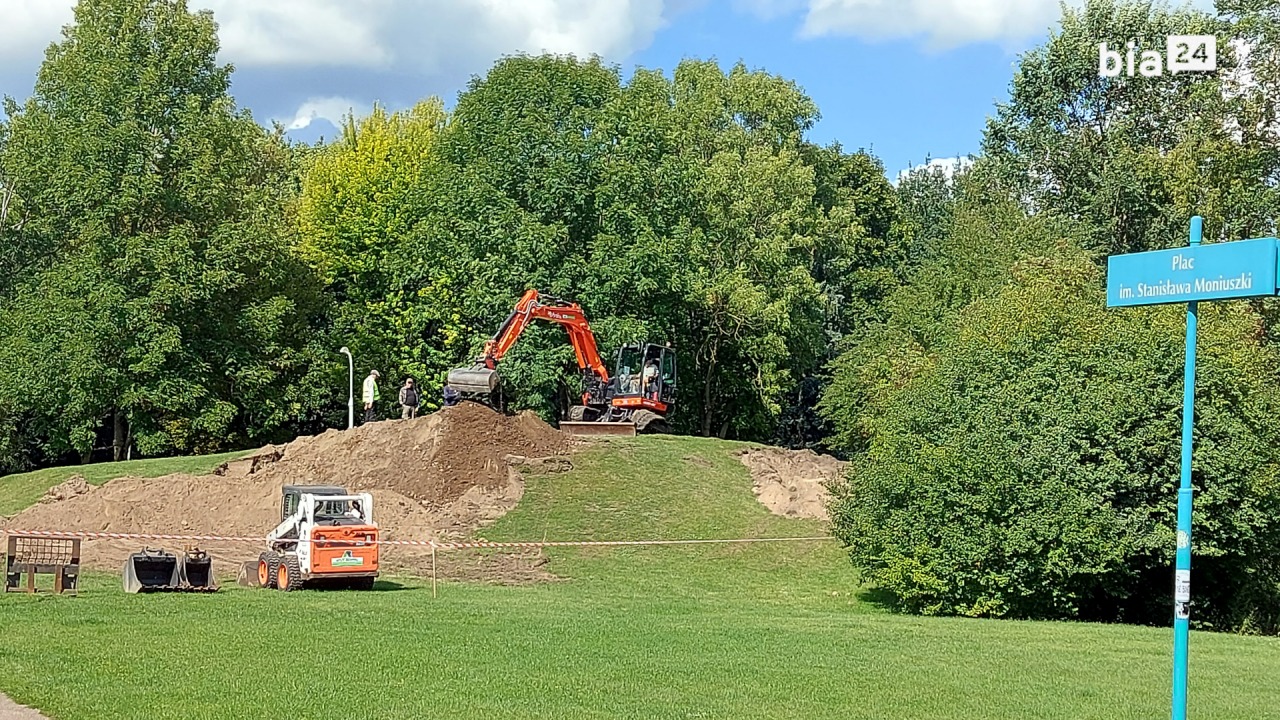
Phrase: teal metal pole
pixel 1182 562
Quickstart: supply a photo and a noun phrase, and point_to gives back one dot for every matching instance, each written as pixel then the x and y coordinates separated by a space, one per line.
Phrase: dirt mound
pixel 434 458
pixel 73 486
pixel 440 477
pixel 792 482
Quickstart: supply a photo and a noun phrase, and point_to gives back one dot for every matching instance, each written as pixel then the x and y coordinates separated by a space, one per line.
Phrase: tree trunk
pixel 119 434
pixel 708 410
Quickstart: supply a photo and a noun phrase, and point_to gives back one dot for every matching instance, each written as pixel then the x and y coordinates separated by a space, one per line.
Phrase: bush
pixel 1027 466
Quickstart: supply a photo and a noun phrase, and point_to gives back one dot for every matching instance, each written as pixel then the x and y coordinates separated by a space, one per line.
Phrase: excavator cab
pixel 647 372
pixel 640 396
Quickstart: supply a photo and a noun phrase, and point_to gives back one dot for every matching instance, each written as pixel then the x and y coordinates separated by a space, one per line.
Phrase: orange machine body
pixel 344 550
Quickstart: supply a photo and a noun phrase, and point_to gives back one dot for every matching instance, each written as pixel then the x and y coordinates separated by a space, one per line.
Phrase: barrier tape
pixel 69 535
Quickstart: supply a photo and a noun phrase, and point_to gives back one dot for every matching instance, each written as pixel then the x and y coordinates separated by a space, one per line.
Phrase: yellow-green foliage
pixel 360 193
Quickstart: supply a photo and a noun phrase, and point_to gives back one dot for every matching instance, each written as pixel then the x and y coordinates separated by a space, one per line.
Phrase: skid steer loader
pixel 326 538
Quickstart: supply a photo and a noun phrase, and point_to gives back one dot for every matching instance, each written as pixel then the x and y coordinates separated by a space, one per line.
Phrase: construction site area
pixel 440 478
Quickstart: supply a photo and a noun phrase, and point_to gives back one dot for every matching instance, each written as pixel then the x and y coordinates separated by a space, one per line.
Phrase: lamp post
pixel 351 388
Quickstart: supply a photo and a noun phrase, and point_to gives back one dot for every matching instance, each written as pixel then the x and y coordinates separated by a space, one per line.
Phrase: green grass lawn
pixel 20 491
pixel 755 631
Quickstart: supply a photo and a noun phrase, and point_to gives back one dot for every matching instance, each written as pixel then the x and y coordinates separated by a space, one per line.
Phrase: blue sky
pixel 893 97
pixel 905 79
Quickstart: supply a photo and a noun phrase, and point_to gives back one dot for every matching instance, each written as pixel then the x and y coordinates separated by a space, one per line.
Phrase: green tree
pixel 972 257
pixel 927 195
pixel 155 297
pixel 686 209
pixel 1132 156
pixel 361 197
pixel 1028 467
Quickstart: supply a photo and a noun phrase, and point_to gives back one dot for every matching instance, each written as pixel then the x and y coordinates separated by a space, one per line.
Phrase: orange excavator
pixel 638 398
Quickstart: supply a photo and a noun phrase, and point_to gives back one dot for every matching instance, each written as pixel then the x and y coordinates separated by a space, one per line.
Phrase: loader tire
pixel 365 583
pixel 268 566
pixel 289 576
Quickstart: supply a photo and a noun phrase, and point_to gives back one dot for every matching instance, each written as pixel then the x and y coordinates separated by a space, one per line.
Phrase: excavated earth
pixel 437 477
pixel 792 483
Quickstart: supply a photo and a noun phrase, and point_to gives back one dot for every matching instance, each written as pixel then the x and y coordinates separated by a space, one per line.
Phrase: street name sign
pixel 1239 269
pixel 1221 271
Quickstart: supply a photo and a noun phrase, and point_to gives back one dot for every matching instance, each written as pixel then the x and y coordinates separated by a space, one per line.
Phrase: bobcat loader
pixel 326 538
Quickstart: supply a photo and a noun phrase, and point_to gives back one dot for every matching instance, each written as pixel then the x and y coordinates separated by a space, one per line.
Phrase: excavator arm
pixel 482 378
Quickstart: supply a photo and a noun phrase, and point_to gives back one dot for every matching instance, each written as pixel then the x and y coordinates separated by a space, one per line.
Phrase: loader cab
pixel 645 376
pixel 328 510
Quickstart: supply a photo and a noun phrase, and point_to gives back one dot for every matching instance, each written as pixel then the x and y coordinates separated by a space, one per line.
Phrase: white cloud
pixel 400 35
pixel 298 60
pixel 298 32
pixel 947 166
pixel 941 24
pixel 29 26
pixel 332 109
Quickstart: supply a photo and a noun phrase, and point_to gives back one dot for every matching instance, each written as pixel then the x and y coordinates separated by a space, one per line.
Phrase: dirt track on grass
pixel 10 710
pixel 792 483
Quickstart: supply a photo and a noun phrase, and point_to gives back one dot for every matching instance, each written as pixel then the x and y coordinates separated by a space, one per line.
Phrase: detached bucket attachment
pixel 195 571
pixel 599 429
pixel 151 570
pixel 474 380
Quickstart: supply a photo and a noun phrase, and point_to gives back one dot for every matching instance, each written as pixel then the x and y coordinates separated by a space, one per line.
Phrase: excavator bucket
pixel 599 429
pixel 150 570
pixel 195 571
pixel 474 380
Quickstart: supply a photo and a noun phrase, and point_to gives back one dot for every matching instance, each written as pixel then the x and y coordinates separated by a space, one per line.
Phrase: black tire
pixel 290 573
pixel 271 560
pixel 577 413
pixel 365 583
pixel 647 421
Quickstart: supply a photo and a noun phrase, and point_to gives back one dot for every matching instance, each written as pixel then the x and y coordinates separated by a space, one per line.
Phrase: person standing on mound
pixel 370 394
pixel 408 400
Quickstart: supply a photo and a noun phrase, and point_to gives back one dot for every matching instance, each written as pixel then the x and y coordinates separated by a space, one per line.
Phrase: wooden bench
pixel 59 557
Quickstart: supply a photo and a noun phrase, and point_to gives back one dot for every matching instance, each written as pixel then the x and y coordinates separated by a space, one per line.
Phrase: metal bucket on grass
pixel 150 570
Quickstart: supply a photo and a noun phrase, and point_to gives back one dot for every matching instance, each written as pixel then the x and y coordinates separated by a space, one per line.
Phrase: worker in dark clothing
pixel 451 396
pixel 408 400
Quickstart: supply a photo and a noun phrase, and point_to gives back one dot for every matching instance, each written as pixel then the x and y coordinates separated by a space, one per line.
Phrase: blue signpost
pixel 1245 268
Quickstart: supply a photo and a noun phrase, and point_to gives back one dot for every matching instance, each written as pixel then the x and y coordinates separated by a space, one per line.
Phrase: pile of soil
pixel 437 477
pixel 792 483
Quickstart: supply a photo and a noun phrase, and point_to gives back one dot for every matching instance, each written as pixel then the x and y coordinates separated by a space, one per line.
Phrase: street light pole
pixel 351 388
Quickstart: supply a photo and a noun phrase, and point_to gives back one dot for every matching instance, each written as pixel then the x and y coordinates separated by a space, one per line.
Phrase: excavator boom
pixel 481 378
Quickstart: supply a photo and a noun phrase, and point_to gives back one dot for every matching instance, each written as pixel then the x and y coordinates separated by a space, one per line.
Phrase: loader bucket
pixel 150 570
pixel 474 380
pixel 599 429
pixel 195 570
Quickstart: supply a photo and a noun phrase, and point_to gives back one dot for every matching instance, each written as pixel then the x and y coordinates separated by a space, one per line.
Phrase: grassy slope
pixel 760 631
pixel 19 491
